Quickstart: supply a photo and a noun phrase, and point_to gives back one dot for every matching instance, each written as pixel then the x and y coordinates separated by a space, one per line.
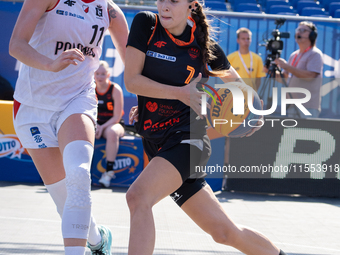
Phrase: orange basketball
pixel 221 116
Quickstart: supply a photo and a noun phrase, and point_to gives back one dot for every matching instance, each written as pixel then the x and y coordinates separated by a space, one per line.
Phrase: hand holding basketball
pixel 221 114
pixel 191 96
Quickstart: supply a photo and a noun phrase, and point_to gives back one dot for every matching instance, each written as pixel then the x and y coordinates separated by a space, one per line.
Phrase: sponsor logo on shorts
pixel 34 131
pixel 176 196
pixel 36 136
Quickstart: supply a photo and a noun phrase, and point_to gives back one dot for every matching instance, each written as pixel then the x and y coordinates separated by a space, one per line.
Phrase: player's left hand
pixel 191 96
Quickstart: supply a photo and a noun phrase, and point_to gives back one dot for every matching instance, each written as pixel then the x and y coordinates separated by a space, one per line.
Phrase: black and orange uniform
pixel 172 60
pixel 106 105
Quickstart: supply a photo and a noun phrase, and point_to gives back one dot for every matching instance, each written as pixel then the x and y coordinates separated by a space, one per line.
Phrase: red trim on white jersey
pixel 88 1
pixel 53 6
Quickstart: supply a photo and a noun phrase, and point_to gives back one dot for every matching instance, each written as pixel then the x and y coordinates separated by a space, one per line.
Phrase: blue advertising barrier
pixel 129 162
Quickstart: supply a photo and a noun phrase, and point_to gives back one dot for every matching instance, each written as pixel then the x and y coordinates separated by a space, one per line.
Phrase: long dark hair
pixel 204 39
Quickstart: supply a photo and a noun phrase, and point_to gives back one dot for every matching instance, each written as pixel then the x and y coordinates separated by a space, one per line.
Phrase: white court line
pixel 307 246
pixel 170 232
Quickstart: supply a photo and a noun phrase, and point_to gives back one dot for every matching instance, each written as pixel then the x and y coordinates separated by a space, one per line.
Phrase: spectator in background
pixel 110 124
pixel 304 69
pixel 6 89
pixel 248 64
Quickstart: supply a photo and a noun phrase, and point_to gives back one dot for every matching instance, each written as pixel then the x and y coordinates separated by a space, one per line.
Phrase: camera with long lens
pixel 275 46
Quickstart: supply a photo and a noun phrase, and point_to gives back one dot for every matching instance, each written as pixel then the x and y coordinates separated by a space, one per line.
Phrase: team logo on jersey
pixel 99 11
pixel 153 54
pixel 60 12
pixel 194 52
pixel 86 8
pixel 70 2
pixel 152 107
pixel 160 44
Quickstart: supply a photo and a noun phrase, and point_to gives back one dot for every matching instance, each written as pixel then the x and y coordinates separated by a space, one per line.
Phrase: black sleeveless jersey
pixel 172 61
pixel 105 105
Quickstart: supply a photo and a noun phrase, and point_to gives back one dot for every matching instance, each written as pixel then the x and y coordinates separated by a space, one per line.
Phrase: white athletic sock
pixel 74 250
pixel 58 193
pixel 77 158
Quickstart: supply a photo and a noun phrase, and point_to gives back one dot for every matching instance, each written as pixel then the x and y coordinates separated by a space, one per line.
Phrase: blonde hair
pixel 243 30
pixel 104 64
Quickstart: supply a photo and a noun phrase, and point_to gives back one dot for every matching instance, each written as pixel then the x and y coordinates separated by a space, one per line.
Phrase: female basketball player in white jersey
pixel 55 108
pixel 166 57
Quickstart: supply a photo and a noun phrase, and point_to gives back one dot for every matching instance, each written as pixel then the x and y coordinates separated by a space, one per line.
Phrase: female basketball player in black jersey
pixel 164 55
pixel 110 124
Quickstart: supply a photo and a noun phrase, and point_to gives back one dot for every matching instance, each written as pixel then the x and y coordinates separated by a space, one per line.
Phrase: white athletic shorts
pixel 38 128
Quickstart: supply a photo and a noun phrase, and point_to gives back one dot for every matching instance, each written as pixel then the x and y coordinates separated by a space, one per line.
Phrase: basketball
pixel 221 116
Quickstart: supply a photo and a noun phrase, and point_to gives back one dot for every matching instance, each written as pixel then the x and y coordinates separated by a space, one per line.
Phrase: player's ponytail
pixel 203 38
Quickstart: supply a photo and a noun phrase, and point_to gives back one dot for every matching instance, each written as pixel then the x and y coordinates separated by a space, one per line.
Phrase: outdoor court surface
pixel 298 225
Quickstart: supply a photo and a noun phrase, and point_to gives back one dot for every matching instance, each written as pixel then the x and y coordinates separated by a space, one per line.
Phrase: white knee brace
pixel 77 158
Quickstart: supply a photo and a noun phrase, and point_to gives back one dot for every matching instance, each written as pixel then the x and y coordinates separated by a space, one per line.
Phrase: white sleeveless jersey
pixel 70 24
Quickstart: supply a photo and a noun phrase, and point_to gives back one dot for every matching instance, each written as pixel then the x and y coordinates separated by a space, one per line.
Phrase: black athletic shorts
pixel 184 156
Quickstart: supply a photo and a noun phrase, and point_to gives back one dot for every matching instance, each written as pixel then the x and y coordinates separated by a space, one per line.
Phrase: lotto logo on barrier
pixel 15 163
pixel 10 146
pixel 128 164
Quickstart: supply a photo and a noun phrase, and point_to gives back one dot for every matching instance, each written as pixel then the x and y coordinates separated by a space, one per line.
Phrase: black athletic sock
pixel 282 252
pixel 109 166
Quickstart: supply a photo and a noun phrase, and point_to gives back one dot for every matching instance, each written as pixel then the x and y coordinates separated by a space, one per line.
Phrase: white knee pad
pixel 77 158
pixel 58 193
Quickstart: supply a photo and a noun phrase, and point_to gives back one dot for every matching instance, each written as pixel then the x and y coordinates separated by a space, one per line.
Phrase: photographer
pixel 304 69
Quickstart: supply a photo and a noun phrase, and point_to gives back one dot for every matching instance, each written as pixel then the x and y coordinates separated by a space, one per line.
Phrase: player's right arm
pixel 19 48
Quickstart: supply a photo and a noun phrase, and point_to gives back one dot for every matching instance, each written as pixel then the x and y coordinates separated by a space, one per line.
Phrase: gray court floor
pixel 30 224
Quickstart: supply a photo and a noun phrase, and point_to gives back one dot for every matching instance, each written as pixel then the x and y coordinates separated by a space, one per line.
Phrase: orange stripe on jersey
pixel 53 6
pixel 180 42
pixel 154 29
pixel 108 87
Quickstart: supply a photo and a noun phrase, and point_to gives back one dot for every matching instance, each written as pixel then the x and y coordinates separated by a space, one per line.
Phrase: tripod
pixel 269 84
